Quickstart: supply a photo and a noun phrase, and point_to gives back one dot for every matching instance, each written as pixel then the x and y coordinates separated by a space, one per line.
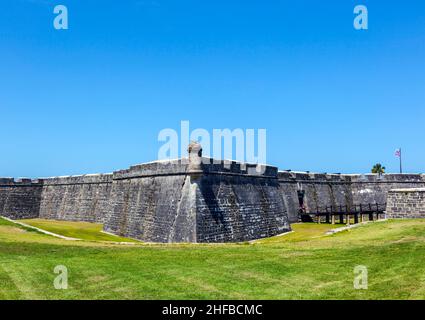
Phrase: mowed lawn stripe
pixel 309 266
pixel 76 229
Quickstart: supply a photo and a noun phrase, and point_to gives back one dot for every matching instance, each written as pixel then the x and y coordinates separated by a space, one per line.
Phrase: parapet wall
pixel 20 199
pixel 212 202
pixel 76 198
pixel 315 190
pixel 406 203
pixel 146 201
pixel 195 199
pixel 238 203
pixel 324 190
pixel 374 188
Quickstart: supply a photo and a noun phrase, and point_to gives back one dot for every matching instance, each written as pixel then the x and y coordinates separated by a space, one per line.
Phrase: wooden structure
pixel 344 213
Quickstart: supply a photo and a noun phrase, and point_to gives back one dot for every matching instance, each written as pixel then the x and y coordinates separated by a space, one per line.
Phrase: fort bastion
pixel 198 199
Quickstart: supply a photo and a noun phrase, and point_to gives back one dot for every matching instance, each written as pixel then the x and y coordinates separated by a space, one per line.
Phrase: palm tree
pixel 378 168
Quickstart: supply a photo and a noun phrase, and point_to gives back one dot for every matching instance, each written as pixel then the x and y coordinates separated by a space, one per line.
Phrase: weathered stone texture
pixel 76 198
pixel 319 191
pixel 200 200
pixel 203 203
pixel 406 203
pixel 374 188
pixel 147 202
pixel 150 209
pixel 325 190
pixel 239 208
pixel 20 199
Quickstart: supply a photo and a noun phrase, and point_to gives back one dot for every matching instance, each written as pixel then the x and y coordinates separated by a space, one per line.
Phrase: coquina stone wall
pixel 238 203
pixel 76 198
pixel 20 199
pixel 316 191
pixel 374 188
pixel 152 202
pixel 212 202
pixel 196 199
pixel 406 203
pixel 325 190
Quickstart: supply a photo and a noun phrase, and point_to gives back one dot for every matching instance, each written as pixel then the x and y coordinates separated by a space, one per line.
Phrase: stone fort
pixel 200 200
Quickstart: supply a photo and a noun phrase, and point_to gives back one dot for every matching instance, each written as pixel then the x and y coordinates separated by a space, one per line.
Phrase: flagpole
pixel 401 170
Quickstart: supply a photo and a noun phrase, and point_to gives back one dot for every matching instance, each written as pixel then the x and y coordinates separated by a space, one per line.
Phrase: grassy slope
pixel 72 229
pixel 300 265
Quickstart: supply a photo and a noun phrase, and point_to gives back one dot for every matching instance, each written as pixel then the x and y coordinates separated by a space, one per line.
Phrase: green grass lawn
pixel 73 229
pixel 302 265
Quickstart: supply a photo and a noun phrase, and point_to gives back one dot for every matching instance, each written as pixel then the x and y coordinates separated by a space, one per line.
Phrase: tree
pixel 378 168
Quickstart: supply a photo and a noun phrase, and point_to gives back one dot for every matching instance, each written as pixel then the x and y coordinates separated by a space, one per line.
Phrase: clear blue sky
pixel 93 98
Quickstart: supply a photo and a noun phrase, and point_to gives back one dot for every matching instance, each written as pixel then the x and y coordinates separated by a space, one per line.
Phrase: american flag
pixel 398 153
